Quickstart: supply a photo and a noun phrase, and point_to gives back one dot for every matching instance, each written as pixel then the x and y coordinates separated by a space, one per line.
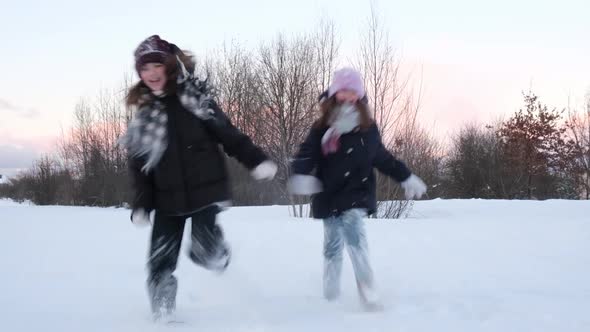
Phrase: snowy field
pixel 459 265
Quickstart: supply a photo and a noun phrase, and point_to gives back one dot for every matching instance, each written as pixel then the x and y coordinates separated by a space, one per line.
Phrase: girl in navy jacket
pixel 341 151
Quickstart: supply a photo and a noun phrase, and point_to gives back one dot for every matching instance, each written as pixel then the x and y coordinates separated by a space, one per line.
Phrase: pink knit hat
pixel 347 79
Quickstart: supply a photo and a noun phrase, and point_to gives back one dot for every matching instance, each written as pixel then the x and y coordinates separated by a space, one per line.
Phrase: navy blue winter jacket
pixel 347 175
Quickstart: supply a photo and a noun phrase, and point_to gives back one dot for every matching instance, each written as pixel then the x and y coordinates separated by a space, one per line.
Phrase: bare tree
pixel 387 90
pixel 327 48
pixel 239 89
pixel 90 151
pixel 234 74
pixel 395 109
pixel 290 81
pixel 271 96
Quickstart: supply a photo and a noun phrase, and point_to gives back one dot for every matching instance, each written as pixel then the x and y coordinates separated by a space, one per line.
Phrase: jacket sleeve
pixel 387 164
pixel 308 155
pixel 142 185
pixel 235 143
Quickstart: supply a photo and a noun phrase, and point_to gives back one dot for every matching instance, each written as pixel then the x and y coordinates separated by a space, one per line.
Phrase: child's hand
pixel 414 187
pixel 265 171
pixel 304 185
pixel 140 218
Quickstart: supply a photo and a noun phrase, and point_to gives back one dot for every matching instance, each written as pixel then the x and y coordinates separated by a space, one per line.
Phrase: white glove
pixel 140 218
pixel 414 187
pixel 304 185
pixel 265 171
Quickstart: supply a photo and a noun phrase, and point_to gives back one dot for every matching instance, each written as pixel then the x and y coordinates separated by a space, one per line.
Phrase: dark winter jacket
pixel 347 175
pixel 191 173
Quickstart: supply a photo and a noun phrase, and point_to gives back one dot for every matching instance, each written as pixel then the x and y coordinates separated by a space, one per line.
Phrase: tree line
pixel 271 94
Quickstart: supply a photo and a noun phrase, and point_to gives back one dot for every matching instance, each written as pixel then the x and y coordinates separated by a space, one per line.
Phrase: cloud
pixel 22 111
pixel 17 157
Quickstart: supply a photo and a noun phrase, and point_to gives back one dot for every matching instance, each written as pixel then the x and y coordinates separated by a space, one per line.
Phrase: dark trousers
pixel 207 249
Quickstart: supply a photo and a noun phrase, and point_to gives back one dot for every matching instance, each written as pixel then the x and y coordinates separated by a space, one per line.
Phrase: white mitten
pixel 414 187
pixel 140 218
pixel 265 171
pixel 304 185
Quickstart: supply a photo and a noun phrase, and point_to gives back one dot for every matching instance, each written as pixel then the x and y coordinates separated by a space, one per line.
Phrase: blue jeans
pixel 347 229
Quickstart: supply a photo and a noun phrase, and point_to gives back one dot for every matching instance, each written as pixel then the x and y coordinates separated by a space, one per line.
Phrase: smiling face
pixel 153 74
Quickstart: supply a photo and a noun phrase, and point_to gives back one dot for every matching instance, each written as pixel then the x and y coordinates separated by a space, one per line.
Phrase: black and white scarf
pixel 146 136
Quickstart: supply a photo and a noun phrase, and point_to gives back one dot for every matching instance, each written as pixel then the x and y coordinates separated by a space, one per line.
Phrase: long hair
pixel 328 105
pixel 135 93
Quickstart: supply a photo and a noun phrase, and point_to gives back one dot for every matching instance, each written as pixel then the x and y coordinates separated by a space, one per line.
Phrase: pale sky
pixel 474 57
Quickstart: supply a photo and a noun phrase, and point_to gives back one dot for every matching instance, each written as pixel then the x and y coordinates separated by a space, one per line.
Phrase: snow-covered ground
pixel 460 265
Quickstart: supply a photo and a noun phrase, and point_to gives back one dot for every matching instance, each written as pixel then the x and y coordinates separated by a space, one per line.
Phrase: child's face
pixel 153 74
pixel 347 96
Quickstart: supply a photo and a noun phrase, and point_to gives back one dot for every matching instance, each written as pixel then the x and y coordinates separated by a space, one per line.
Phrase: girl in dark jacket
pixel 177 167
pixel 342 149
